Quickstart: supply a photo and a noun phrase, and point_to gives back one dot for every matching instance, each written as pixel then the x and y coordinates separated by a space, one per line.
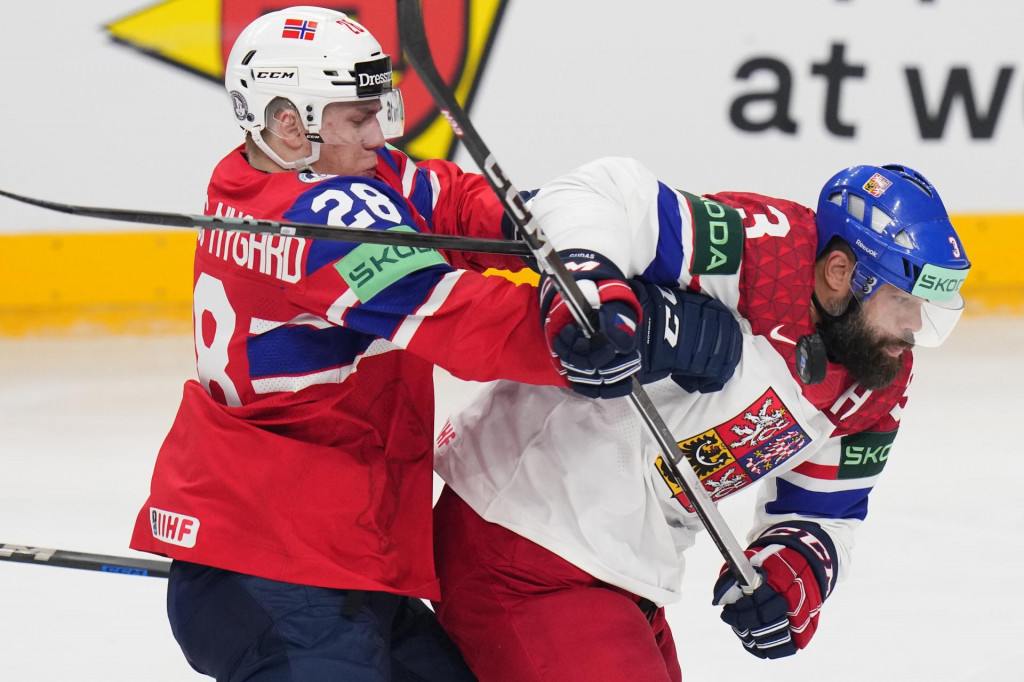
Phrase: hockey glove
pixel 689 336
pixel 601 367
pixel 797 562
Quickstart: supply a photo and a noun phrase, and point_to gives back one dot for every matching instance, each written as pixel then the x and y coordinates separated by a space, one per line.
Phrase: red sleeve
pixel 467 206
pixel 488 328
pixel 478 328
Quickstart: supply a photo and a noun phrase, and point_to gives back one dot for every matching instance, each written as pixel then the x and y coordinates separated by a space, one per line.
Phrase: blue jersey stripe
pixel 668 260
pixel 422 196
pixel 383 314
pixel 389 158
pixel 842 504
pixel 323 253
pixel 295 350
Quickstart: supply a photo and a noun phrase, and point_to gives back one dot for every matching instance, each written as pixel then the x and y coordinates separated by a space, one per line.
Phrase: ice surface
pixel 934 592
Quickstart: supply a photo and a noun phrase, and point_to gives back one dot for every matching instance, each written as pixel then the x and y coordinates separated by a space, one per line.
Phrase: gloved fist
pixel 799 571
pixel 600 367
pixel 689 336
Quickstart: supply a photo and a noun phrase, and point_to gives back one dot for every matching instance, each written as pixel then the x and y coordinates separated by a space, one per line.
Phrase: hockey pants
pixel 241 628
pixel 520 613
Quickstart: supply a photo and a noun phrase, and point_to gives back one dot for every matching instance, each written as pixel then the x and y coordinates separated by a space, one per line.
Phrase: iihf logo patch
pixel 176 529
pixel 447 434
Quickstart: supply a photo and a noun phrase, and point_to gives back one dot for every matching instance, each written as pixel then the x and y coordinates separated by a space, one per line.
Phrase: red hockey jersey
pixel 303 452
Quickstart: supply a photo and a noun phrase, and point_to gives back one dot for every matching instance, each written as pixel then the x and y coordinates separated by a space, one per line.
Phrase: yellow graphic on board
pixel 196 35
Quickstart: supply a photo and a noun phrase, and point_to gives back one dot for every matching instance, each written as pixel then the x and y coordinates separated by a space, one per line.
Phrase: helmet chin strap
pixel 297 165
pixel 826 315
pixel 812 355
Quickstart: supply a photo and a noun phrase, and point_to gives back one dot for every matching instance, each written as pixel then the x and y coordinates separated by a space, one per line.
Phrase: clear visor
pixel 392 114
pixel 921 320
pixel 365 122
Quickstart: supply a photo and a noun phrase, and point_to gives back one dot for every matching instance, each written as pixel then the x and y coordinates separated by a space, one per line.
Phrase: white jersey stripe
pixel 686 231
pixel 403 335
pixel 259 326
pixel 822 485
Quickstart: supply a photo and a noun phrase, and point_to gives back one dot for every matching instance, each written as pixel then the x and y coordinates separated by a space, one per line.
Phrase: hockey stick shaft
pixel 41 556
pixel 414 43
pixel 285 229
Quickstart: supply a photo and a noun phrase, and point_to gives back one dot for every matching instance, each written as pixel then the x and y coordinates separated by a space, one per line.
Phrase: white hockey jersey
pixel 583 478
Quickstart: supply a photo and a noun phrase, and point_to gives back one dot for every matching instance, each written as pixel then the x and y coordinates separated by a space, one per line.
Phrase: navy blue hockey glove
pixel 797 563
pixel 689 336
pixel 601 367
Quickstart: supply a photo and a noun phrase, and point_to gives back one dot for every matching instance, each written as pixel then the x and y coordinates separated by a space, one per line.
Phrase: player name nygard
pixel 274 255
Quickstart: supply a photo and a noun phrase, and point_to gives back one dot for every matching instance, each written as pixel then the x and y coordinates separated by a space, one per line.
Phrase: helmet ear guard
pixel 311 57
pixel 897 226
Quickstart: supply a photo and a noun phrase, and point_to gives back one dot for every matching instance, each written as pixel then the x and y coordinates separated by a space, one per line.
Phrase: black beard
pixel 850 341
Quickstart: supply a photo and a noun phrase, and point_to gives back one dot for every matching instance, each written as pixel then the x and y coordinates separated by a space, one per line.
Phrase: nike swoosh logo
pixel 774 333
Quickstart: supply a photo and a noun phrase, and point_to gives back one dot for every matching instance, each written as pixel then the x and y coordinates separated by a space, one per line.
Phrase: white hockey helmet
pixel 312 57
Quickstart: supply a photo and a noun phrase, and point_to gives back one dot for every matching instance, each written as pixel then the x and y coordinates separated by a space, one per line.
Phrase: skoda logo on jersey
pixel 241 106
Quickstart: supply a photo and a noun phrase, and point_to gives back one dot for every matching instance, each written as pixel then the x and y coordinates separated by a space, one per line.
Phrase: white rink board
pixel 88 121
pixel 933 594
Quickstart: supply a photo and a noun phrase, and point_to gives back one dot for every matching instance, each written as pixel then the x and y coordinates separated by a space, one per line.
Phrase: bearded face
pixel 873 357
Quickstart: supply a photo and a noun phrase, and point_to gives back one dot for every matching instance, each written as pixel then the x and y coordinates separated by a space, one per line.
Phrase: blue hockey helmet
pixel 897 226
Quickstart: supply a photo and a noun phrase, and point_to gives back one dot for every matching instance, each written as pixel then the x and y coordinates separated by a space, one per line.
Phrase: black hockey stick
pixel 414 43
pixel 41 556
pixel 286 229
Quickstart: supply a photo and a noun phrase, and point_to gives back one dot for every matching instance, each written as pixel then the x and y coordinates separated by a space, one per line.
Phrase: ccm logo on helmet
pixel 278 76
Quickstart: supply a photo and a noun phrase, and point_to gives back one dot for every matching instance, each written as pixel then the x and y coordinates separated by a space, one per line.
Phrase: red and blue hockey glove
pixel 600 367
pixel 798 565
pixel 689 336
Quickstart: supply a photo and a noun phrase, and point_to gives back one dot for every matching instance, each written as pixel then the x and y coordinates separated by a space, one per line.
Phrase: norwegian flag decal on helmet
pixel 299 28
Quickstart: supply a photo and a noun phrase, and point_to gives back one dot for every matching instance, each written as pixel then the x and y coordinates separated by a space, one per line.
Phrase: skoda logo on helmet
pixel 240 105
